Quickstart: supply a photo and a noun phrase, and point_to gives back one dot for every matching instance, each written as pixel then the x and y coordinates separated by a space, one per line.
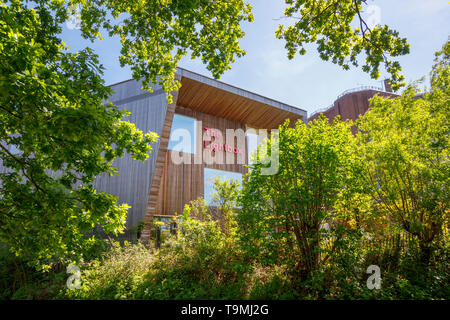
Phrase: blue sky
pixel 306 81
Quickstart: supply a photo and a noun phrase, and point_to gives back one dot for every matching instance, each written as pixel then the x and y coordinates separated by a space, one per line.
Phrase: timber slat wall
pixel 132 185
pixel 351 105
pixel 159 165
pixel 205 98
pixel 143 184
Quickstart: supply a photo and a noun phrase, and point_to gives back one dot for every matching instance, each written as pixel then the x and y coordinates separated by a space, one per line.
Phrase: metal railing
pixel 357 89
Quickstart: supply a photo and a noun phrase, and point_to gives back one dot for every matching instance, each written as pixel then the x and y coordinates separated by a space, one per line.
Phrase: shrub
pixel 117 276
pixel 20 281
pixel 202 262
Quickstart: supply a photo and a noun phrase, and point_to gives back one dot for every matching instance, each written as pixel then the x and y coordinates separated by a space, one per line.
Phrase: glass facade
pixel 252 143
pixel 182 134
pixel 210 175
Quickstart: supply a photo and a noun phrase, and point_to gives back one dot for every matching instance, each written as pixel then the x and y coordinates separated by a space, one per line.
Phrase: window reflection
pixel 182 134
pixel 210 175
pixel 252 144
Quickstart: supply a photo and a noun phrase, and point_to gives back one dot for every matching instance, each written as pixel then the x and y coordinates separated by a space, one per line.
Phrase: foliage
pixel 330 24
pixel 116 276
pixel 271 283
pixel 52 110
pixel 156 34
pixel 200 263
pixel 226 199
pixel 133 272
pixel 284 215
pixel 199 210
pixel 51 103
pixel 405 144
pixel 226 193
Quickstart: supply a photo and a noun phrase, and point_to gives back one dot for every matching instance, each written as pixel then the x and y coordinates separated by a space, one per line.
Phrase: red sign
pixel 219 146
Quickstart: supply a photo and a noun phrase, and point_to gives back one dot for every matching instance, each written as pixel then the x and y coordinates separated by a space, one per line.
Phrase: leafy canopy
pixel 52 108
pixel 331 25
pixel 56 136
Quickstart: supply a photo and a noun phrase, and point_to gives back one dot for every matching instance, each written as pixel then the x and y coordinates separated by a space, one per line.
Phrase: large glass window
pixel 182 134
pixel 252 143
pixel 210 175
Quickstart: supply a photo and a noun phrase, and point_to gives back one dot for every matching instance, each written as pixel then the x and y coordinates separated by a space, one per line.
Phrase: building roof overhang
pixel 210 96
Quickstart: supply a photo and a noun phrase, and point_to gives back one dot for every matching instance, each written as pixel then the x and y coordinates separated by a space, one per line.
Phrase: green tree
pixel 156 34
pixel 52 112
pixel 52 108
pixel 226 197
pixel 342 35
pixel 283 215
pixel 405 144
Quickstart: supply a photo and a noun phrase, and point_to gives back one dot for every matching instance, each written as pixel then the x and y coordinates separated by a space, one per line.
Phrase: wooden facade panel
pixel 184 182
pixel 133 183
pixel 204 98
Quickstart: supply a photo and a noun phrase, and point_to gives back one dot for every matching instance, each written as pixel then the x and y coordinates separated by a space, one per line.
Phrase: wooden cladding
pixel 181 183
pixel 205 98
pixel 159 167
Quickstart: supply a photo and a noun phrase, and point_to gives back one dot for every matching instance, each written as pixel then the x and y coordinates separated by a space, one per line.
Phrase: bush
pixel 202 262
pixel 271 283
pixel 117 276
pixel 20 281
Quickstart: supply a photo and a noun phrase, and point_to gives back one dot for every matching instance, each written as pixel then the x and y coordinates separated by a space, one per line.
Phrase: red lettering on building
pixel 218 146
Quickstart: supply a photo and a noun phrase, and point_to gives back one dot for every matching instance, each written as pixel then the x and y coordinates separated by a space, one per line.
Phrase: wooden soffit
pixel 214 97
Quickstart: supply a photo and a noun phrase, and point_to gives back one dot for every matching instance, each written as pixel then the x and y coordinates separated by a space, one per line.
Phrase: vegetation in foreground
pixel 206 262
pixel 338 204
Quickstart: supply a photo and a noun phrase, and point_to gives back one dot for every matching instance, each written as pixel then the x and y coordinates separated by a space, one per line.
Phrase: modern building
pixel 353 102
pixel 206 132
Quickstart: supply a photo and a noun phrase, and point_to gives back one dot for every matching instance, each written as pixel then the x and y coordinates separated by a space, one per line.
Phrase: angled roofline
pixel 234 90
pixel 238 91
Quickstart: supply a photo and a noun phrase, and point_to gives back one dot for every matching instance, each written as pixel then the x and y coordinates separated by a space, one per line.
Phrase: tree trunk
pixel 426 251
